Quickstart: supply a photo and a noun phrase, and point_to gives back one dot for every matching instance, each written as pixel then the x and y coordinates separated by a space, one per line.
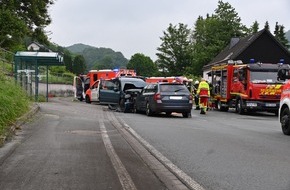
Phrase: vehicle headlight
pixel 127 96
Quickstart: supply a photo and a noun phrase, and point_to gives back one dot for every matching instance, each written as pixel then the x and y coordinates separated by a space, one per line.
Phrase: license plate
pixel 270 105
pixel 175 97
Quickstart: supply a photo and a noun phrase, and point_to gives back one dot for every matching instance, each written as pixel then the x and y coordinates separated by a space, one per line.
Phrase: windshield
pixel 173 88
pixel 263 76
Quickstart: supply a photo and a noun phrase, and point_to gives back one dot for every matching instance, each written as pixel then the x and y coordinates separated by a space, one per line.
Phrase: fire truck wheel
pixel 221 108
pixel 285 121
pixel 218 105
pixel 239 106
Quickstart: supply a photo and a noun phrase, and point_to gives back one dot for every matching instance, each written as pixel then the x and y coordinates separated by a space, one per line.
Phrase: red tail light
pixel 190 97
pixel 157 97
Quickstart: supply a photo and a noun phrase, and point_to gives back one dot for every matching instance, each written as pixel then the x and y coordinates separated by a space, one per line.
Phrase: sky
pixel 135 26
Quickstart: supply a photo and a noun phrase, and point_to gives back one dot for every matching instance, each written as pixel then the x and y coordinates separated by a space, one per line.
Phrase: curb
pixel 20 121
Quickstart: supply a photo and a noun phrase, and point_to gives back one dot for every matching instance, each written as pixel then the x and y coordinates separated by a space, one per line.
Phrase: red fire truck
pixel 246 87
pixel 284 109
pixel 87 86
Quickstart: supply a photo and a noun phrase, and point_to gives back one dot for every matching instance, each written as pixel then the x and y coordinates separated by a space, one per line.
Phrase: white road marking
pixel 124 177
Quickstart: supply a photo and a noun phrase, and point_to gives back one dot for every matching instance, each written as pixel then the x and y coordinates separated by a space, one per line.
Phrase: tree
pixel 254 28
pixel 175 55
pixel 280 35
pixel 213 33
pixel 79 65
pixel 143 65
pixel 267 27
pixel 12 29
pixel 68 62
pixel 230 21
pixel 208 42
pixel 24 18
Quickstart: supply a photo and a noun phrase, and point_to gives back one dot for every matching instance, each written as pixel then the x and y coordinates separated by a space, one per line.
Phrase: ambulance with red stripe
pixel 87 86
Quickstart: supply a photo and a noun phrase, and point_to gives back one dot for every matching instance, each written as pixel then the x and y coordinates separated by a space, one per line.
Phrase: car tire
pixel 168 113
pixel 285 121
pixel 148 110
pixel 122 105
pixel 186 114
pixel 134 109
pixel 88 101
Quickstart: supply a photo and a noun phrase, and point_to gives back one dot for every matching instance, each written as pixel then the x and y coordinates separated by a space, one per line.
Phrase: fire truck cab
pixel 246 87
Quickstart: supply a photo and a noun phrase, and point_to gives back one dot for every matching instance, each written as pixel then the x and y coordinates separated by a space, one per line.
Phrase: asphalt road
pixel 73 145
pixel 221 150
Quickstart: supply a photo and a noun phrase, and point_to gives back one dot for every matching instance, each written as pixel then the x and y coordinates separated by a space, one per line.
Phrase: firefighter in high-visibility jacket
pixel 204 93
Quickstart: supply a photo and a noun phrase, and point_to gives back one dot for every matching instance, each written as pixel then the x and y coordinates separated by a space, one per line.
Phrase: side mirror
pixel 283 74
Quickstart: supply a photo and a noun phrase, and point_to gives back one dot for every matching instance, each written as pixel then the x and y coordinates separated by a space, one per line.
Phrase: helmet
pixel 196 82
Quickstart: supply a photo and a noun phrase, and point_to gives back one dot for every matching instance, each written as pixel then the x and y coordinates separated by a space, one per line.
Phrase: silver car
pixel 164 97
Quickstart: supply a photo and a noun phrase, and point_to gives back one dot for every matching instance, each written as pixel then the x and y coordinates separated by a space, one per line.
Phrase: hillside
pixel 99 58
pixel 78 48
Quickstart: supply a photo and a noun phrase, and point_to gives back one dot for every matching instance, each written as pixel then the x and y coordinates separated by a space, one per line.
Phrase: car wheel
pixel 122 105
pixel 148 110
pixel 186 114
pixel 285 121
pixel 134 107
pixel 168 113
pixel 239 106
pixel 88 101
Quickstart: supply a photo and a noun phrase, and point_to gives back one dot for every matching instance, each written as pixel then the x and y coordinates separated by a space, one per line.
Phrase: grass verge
pixel 14 102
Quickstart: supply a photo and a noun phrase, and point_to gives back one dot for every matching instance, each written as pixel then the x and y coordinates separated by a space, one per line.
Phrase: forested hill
pixel 99 58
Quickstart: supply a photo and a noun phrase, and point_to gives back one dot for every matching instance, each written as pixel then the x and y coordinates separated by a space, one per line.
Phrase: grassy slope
pixel 13 102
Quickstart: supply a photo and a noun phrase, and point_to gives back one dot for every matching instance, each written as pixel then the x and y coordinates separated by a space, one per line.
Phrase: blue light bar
pixel 252 60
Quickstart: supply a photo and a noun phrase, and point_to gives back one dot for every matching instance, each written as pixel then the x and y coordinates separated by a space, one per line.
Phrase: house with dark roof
pixel 261 46
pixel 35 46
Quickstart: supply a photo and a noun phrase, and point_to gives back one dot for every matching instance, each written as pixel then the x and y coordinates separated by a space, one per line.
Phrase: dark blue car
pixel 164 97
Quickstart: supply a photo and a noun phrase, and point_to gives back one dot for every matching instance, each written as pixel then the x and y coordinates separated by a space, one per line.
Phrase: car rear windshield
pixel 173 88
